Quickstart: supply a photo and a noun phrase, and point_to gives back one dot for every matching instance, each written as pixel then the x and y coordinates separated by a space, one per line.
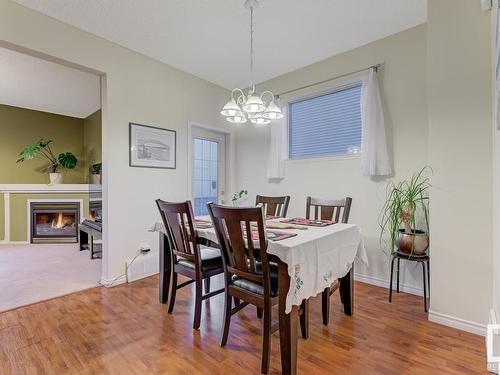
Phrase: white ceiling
pixel 30 82
pixel 210 38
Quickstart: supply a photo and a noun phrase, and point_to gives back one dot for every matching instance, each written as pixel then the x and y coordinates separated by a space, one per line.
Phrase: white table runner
pixel 315 257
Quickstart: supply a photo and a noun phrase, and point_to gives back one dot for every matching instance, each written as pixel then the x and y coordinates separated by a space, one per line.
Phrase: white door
pixel 208 169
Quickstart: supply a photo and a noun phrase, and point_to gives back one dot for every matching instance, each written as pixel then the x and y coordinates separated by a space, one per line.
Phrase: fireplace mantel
pixel 43 188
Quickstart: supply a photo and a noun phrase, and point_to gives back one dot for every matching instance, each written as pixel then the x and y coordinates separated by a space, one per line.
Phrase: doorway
pixel 208 169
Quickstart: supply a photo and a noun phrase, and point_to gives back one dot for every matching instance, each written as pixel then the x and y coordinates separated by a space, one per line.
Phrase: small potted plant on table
pixel 41 150
pixel 404 218
pixel 238 197
pixel 95 174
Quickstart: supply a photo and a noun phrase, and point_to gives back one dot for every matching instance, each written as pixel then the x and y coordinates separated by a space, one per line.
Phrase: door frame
pixel 229 158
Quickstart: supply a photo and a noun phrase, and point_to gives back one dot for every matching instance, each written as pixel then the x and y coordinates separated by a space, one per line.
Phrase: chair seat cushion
pixel 255 287
pixel 210 259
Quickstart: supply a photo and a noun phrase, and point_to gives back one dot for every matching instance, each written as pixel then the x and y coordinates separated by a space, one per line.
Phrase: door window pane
pixel 205 174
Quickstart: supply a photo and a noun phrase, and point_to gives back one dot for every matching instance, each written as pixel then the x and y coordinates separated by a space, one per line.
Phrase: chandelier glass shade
pixel 241 108
pixel 251 107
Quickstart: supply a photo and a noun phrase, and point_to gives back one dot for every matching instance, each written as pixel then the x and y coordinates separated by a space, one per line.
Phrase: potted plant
pixel 95 173
pixel 239 196
pixel 42 150
pixel 406 208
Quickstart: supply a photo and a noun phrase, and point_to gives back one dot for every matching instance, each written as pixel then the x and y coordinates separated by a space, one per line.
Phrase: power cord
pixel 142 251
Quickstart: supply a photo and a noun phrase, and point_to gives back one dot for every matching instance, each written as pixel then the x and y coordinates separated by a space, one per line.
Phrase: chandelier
pixel 251 106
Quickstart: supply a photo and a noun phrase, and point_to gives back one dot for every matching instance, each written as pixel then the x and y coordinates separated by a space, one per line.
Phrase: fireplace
pixel 54 222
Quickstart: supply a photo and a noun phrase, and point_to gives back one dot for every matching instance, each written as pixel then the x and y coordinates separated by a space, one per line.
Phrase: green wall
pixel 92 144
pixel 2 222
pixel 19 127
pixel 19 210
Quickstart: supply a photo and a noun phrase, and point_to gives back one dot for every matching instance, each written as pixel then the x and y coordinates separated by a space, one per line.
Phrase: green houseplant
pixel 41 150
pixel 95 173
pixel 407 207
pixel 239 196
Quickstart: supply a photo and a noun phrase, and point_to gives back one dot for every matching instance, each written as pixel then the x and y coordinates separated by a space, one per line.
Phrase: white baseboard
pixel 14 242
pixel 113 282
pixel 494 319
pixel 385 284
pixel 458 323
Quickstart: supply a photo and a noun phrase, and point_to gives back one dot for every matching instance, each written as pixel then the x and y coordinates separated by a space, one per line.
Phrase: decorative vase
pixel 415 243
pixel 55 178
pixel 95 179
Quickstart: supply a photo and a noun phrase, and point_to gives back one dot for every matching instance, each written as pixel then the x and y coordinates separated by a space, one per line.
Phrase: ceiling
pixel 30 82
pixel 210 38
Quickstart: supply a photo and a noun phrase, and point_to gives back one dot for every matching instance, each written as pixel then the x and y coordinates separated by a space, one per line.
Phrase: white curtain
pixel 278 147
pixel 374 157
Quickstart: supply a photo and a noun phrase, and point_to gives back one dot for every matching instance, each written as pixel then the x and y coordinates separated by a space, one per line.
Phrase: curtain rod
pixel 376 67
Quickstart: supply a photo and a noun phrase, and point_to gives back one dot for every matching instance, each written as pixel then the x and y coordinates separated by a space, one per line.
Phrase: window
pixel 326 125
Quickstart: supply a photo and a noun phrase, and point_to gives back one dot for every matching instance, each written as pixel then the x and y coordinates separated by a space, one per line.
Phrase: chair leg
pixel 259 313
pixel 397 282
pixel 227 319
pixel 390 284
pixel 425 288
pixel 325 305
pixel 304 319
pixel 197 304
pixel 266 340
pixel 173 292
pixel 236 301
pixel 207 285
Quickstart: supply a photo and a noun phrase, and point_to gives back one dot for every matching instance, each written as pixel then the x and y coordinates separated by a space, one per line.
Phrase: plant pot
pixel 415 243
pixel 95 179
pixel 56 178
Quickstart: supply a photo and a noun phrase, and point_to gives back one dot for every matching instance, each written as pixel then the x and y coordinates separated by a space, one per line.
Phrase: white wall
pixel 140 90
pixel 403 81
pixel 460 151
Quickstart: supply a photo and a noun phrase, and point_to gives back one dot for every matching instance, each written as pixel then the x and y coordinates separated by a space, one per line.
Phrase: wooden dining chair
pixel 274 206
pixel 248 278
pixel 188 257
pixel 338 211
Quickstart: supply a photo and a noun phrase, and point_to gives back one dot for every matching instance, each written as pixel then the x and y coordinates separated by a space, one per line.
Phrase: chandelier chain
pixel 251 42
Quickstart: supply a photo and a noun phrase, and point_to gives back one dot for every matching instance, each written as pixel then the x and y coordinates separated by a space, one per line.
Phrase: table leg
pixel 165 268
pixel 347 291
pixel 84 239
pixel 287 324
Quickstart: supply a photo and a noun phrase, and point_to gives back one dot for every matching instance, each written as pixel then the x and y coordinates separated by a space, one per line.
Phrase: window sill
pixel 323 159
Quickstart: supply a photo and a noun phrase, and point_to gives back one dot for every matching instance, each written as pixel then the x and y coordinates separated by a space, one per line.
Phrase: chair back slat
pixel 233 227
pixel 179 225
pixel 274 206
pixel 337 209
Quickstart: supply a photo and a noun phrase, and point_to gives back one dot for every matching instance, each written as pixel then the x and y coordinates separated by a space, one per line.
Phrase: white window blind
pixel 326 125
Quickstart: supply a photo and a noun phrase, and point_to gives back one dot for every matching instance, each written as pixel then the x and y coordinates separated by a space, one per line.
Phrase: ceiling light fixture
pixel 251 106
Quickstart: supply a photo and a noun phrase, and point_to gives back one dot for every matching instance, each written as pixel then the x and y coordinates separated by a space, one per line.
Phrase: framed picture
pixel 151 147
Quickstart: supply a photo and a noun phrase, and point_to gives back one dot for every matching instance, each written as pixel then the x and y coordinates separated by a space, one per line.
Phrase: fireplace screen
pixel 53 222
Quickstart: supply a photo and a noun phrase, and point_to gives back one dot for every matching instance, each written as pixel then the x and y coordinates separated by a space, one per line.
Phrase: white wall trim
pixel 458 323
pixel 113 282
pixel 15 243
pixel 6 213
pixel 43 188
pixel 385 284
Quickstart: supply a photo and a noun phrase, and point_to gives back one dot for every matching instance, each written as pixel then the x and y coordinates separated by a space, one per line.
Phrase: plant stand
pixel 412 258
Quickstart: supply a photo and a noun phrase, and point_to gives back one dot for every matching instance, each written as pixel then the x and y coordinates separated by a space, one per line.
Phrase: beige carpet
pixel 32 273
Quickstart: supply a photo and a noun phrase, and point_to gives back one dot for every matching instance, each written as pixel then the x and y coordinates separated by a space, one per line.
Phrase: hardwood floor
pixel 124 330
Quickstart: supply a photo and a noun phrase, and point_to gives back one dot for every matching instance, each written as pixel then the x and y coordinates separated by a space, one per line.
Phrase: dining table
pixel 309 259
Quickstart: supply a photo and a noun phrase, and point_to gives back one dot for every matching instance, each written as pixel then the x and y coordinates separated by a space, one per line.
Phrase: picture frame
pixel 152 147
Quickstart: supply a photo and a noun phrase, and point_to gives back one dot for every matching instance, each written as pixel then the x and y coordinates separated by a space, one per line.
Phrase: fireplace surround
pixel 54 222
